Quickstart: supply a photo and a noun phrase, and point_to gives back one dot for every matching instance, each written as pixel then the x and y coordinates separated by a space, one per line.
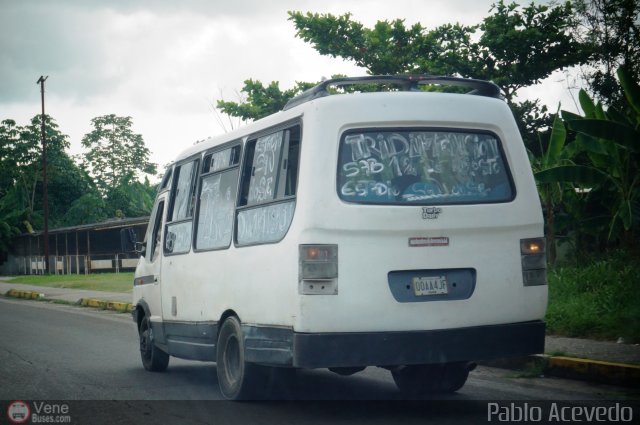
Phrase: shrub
pixel 599 300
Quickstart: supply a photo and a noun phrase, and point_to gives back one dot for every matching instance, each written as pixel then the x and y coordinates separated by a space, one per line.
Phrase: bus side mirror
pixel 129 241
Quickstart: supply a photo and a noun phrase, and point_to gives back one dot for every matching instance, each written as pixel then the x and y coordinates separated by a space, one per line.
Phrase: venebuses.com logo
pixel 20 412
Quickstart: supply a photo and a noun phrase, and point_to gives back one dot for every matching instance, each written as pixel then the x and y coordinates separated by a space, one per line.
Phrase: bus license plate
pixel 432 285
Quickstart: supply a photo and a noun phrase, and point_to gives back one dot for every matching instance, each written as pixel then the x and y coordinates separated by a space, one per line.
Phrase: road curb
pixel 611 373
pixel 594 370
pixel 29 295
pixel 118 306
pixel 106 305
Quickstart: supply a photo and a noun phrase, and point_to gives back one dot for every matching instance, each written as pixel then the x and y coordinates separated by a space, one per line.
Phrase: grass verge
pixel 600 300
pixel 110 282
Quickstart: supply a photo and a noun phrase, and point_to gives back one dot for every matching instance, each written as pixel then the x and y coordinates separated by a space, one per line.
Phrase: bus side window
pixel 268 185
pixel 291 161
pixel 271 169
pixel 179 228
pixel 166 180
pixel 157 234
pixel 218 187
pixel 265 164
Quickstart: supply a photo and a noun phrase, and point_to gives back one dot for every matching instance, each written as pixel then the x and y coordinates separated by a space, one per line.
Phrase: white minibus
pixel 398 228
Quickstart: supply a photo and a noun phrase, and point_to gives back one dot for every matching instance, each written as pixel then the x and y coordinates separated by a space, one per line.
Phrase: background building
pixel 87 248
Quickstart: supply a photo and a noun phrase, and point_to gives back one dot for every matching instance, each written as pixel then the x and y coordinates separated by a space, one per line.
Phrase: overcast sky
pixel 166 62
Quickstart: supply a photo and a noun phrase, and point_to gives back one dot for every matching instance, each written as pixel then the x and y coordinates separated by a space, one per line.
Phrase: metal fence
pixel 68 264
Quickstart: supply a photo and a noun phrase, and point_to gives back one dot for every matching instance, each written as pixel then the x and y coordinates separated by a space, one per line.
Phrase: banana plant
pixel 611 141
pixel 559 179
pixel 551 191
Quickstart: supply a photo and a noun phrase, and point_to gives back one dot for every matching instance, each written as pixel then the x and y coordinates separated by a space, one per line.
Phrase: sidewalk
pixel 66 294
pixel 596 361
pixel 117 301
pixel 595 350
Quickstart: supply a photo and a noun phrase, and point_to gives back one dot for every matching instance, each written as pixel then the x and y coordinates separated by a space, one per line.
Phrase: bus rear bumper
pixel 321 350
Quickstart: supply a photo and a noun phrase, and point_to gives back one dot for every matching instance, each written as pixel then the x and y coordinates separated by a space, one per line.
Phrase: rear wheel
pixel 153 358
pixel 238 379
pixel 417 380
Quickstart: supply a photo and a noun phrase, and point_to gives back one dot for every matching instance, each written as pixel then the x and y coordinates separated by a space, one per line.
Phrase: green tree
pixel 611 28
pixel 517 46
pixel 514 46
pixel 9 135
pixel 520 46
pixel 261 100
pixel 21 167
pixel 115 152
pixel 10 214
pixel 10 218
pixel 22 161
pixel 68 182
pixel 130 198
pixel 535 124
pixel 21 177
pixel 89 208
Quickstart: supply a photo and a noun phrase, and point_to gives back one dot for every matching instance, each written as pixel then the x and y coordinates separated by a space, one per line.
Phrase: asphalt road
pixel 60 352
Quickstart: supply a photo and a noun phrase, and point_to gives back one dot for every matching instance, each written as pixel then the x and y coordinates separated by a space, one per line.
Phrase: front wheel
pixel 415 380
pixel 153 358
pixel 238 379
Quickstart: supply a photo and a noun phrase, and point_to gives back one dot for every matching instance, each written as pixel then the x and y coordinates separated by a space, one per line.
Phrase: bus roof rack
pixel 406 83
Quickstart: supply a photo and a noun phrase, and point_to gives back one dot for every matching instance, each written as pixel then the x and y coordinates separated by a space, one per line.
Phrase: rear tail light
pixel 318 269
pixel 534 261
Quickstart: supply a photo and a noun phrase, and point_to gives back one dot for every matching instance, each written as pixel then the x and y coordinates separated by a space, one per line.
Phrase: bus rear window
pixel 422 167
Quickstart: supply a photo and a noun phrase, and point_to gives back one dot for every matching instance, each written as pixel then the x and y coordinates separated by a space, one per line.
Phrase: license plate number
pixel 432 285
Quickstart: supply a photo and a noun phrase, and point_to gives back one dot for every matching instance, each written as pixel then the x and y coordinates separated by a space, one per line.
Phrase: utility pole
pixel 45 191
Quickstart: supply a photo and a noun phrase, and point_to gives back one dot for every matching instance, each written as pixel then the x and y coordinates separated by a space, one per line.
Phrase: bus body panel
pixel 248 281
pixel 261 283
pixel 373 240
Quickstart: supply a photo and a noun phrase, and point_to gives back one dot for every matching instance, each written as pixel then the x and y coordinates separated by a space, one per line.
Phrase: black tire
pixel 238 379
pixel 416 380
pixel 455 376
pixel 153 358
